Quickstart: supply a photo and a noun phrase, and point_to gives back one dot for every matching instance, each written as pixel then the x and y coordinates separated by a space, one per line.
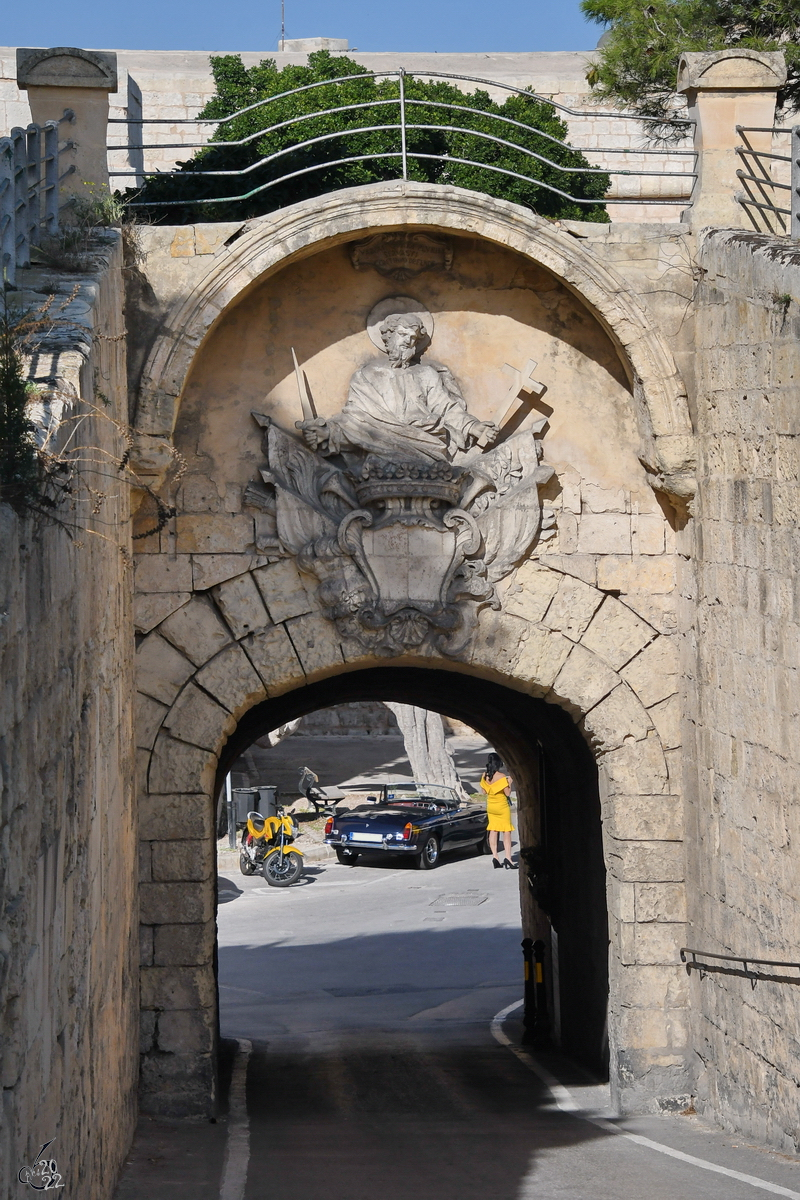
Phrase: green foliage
pixel 312 115
pixel 19 462
pixel 638 61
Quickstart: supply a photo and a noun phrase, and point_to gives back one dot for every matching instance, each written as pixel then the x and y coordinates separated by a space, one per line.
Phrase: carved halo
pixel 390 306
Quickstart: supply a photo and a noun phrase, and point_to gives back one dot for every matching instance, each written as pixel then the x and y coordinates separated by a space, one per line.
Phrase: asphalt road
pixel 362 1002
pixel 367 995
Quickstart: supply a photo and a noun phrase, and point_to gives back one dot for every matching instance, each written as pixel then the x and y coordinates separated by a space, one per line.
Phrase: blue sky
pixel 455 25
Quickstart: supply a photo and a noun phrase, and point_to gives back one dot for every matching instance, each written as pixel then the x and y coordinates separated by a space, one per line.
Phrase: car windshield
pixel 421 791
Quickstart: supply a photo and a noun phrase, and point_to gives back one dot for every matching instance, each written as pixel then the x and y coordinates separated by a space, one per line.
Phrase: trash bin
pixel 254 799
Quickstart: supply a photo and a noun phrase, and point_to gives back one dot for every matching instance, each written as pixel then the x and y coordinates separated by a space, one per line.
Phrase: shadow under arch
pixel 557 785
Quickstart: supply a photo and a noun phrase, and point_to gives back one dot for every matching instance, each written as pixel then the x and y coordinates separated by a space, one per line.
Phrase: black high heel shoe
pixel 509 866
pixel 496 863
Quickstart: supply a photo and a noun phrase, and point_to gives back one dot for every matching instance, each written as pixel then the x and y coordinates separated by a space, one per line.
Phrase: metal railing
pixel 759 197
pixel 29 191
pixel 744 972
pixel 406 123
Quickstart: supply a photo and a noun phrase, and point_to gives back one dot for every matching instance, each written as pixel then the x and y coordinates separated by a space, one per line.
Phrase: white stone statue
pixel 402 505
pixel 399 408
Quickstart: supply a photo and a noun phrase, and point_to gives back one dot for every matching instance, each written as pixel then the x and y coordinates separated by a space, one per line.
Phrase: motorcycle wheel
pixel 246 864
pixel 346 857
pixel 282 873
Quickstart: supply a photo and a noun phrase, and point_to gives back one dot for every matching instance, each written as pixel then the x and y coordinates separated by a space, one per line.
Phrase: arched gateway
pixel 476 513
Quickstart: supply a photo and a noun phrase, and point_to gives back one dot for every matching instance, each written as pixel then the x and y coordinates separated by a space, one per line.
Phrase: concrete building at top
pixel 568 518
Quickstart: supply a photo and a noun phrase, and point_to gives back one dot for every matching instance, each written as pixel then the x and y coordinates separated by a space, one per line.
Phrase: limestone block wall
pixel 68 987
pixel 743 605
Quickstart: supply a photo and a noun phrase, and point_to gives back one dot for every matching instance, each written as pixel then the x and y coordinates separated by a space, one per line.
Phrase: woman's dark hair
pixel 493 763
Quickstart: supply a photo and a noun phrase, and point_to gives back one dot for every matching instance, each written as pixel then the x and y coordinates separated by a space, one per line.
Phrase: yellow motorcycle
pixel 267 846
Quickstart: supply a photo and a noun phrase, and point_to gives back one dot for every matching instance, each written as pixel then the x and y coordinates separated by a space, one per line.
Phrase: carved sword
pixel 306 399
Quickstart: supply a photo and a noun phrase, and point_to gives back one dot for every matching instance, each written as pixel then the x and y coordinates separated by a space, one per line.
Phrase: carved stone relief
pixel 401 256
pixel 406 509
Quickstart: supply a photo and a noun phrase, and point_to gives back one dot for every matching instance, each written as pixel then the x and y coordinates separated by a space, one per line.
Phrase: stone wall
pixel 743 610
pixel 68 993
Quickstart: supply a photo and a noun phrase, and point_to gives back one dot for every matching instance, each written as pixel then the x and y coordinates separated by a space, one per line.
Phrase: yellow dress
pixel 497 806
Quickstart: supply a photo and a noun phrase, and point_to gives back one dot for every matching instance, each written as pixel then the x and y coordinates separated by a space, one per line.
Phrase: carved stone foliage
pixel 401 256
pixel 406 509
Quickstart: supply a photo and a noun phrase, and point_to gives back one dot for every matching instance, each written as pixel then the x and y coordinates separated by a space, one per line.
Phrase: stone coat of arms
pixel 405 508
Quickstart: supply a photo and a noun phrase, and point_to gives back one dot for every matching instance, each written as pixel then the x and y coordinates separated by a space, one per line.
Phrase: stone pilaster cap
pixel 739 70
pixel 67 66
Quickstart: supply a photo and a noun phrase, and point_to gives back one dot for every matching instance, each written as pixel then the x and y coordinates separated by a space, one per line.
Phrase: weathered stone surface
pixel 274 657
pixel 163 817
pixel 623 573
pixel 175 903
pixel 604 533
pixel 231 679
pixel 199 720
pixel 541 657
pixel 617 718
pixel 666 717
pixel 171 988
pixel 197 631
pixel 635 767
pixel 636 862
pixel 616 633
pixel 149 716
pixel 572 608
pixel 315 642
pixel 151 608
pixel 207 533
pixel 211 569
pixel 653 673
pixel 284 590
pixel 646 818
pixel 192 860
pixel 177 767
pixel 183 945
pixel 532 590
pixel 182 1030
pixel 583 681
pixel 163 573
pixel 660 901
pixel 161 671
pixel 241 605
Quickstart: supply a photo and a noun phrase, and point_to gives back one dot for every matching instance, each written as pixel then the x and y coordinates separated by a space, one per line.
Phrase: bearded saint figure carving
pixel 401 408
pixel 405 507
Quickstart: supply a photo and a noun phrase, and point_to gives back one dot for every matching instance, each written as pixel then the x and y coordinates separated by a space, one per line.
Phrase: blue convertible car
pixel 423 820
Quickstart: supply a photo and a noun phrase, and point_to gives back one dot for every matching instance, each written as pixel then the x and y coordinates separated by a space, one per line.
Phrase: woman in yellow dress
pixel 497 786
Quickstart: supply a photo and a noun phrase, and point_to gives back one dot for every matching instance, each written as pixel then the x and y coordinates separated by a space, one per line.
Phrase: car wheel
pixel 428 857
pixel 282 869
pixel 483 846
pixel 246 864
pixel 346 857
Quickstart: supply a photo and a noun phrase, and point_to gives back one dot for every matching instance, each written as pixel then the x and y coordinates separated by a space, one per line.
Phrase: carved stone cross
pixel 523 387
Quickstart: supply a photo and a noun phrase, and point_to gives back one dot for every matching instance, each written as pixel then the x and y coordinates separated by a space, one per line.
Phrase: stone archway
pixel 586 625
pixel 614 675
pixel 269 243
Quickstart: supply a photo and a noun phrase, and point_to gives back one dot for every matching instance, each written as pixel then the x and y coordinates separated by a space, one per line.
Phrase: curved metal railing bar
pixel 396 154
pixel 327 137
pixel 492 83
pixel 405 125
pixel 323 112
